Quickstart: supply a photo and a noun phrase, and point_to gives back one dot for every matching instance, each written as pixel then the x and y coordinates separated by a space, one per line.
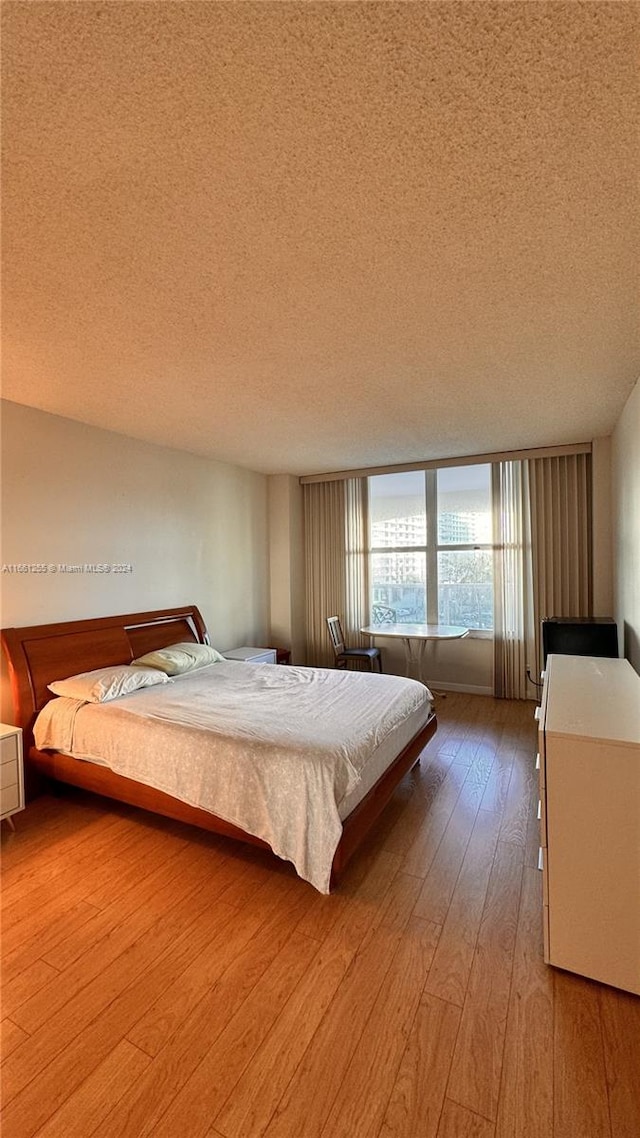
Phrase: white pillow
pixel 179 658
pixel 104 684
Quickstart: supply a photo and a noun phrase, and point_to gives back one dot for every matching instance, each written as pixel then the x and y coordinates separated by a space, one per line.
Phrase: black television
pixel 579 636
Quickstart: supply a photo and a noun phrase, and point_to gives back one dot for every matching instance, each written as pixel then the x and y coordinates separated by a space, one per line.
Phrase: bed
pixel 41 654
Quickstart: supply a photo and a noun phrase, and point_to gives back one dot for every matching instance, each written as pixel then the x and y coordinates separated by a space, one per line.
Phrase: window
pixel 430 547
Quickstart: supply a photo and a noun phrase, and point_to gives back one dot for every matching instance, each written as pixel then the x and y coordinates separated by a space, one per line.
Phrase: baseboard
pixel 470 689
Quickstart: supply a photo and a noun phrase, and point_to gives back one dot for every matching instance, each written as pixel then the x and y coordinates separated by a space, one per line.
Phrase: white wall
pixel 602 536
pixel 626 526
pixel 193 530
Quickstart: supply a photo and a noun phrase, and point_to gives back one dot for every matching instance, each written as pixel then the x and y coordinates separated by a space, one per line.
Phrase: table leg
pixel 440 694
pixel 422 644
pixel 412 662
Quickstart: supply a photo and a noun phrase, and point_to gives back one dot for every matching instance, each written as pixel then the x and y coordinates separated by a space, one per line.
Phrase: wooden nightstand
pixel 11 772
pixel 283 655
pixel 252 655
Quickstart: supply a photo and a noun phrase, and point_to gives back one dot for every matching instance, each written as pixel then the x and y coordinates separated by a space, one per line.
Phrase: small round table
pixel 414 638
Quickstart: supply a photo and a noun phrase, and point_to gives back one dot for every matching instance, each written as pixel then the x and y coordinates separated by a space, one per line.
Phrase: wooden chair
pixel 343 654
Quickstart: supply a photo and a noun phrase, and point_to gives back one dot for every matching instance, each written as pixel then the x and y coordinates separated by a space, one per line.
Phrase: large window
pixel 430 547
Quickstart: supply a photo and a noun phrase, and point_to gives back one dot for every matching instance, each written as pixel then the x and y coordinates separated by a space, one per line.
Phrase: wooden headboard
pixel 45 652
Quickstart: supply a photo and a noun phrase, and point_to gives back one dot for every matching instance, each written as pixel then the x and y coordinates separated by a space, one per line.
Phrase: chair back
pixel 335 633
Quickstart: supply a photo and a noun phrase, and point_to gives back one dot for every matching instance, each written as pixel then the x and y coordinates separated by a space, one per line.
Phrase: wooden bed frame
pixel 40 654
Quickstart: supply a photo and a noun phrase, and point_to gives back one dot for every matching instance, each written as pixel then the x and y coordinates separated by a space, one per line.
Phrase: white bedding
pixel 276 751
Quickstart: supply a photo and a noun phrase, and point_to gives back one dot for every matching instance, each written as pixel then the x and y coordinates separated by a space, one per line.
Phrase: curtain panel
pixel 542 532
pixel 514 636
pixel 561 539
pixel 357 567
pixel 336 526
pixel 542 535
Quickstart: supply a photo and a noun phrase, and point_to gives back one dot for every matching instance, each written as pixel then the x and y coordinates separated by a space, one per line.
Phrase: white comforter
pixel 273 750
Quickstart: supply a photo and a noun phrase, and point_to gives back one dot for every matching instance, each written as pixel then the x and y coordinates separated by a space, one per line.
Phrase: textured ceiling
pixel 310 236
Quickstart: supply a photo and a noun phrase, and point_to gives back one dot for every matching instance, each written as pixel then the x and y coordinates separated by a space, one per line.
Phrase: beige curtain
pixel 336 563
pixel 357 563
pixel 514 639
pixel 542 560
pixel 561 532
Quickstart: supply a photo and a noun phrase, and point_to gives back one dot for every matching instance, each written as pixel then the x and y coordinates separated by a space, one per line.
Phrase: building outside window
pixel 430 547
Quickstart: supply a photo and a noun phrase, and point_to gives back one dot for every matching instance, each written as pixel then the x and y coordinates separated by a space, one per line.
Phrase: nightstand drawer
pixel 10 799
pixel 9 749
pixel 11 777
pixel 9 773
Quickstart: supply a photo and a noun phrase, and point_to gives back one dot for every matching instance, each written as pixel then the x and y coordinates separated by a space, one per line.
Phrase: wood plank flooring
pixel 161 981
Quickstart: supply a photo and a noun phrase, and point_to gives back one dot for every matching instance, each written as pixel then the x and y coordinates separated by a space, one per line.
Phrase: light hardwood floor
pixel 160 981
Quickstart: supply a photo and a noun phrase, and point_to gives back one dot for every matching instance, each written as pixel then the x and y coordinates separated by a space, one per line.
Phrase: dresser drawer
pixel 545 931
pixel 542 819
pixel 540 768
pixel 542 866
pixel 538 715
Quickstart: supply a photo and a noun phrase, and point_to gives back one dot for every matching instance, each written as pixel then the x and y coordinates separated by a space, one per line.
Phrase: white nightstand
pixel 252 655
pixel 11 772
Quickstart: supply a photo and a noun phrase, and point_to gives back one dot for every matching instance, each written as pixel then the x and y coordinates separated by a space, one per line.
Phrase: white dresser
pixel 11 772
pixel 252 655
pixel 589 777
